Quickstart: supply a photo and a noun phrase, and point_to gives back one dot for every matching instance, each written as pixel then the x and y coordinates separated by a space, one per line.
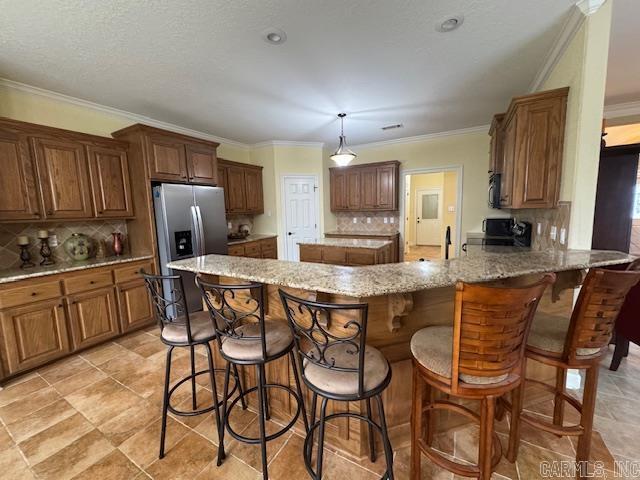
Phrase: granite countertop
pixel 361 233
pixel 348 242
pixel 404 277
pixel 15 274
pixel 252 238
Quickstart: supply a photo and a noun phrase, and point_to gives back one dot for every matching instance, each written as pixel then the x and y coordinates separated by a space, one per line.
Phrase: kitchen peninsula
pixel 346 251
pixel 402 298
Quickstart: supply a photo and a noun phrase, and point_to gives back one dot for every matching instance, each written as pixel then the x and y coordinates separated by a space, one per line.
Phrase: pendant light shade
pixel 342 156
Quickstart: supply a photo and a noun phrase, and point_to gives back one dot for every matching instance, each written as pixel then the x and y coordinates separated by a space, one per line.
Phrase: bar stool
pixel 579 342
pixel 246 337
pixel 337 364
pixel 179 328
pixel 480 357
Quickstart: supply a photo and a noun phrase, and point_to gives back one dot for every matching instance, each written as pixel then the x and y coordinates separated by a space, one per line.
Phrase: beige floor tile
pixel 75 458
pixel 537 437
pixel 467 441
pixel 21 390
pixel 185 460
pixel 13 466
pixel 63 369
pixel 599 451
pixel 620 437
pixel 530 459
pixel 19 409
pixel 289 462
pixel 204 399
pixel 40 420
pixel 232 468
pixel 129 422
pixel 103 400
pixel 81 380
pixel 151 348
pixel 622 409
pixel 402 466
pixel 103 353
pixel 250 453
pixel 114 466
pixel 136 339
pixel 55 438
pixel 5 439
pixel 143 447
pixel 124 366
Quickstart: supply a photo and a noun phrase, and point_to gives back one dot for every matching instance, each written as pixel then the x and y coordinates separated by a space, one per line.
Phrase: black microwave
pixel 494 190
pixel 498 227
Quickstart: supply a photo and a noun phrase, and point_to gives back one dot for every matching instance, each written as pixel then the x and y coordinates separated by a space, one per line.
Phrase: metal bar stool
pixel 579 342
pixel 179 328
pixel 480 357
pixel 246 337
pixel 337 364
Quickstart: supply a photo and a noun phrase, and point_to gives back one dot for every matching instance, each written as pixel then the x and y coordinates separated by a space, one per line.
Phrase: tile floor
pixel 97 415
pixel 417 252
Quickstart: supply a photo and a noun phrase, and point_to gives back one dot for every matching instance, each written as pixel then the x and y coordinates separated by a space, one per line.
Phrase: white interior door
pixel 428 217
pixel 300 213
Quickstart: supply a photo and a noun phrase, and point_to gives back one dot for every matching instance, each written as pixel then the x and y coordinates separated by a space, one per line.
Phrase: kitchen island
pixel 346 251
pixel 402 298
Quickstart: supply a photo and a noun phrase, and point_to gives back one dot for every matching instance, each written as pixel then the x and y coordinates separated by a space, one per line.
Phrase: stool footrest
pixel 193 413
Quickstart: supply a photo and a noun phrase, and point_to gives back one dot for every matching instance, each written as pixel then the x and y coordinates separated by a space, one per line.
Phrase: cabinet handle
pixel 33 294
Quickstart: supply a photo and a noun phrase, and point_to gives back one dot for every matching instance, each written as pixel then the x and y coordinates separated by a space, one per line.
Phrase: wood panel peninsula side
pixel 402 298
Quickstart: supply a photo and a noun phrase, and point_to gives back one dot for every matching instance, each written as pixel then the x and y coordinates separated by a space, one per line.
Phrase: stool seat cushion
pixel 278 338
pixel 549 333
pixel 336 382
pixel 432 347
pixel 201 329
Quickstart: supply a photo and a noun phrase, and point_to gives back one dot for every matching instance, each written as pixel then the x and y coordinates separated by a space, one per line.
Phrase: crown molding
pixel 122 113
pixel 560 44
pixel 589 7
pixel 422 138
pixel 626 109
pixel 287 143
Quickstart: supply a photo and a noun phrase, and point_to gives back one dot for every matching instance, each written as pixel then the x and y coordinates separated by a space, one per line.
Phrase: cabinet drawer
pixel 236 250
pixel 132 272
pixel 26 294
pixel 88 281
pixel 252 250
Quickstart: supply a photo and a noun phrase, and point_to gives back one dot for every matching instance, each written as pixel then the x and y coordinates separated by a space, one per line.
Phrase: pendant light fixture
pixel 342 156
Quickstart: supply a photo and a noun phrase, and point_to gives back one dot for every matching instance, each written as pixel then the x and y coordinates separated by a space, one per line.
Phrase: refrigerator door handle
pixel 196 230
pixel 200 233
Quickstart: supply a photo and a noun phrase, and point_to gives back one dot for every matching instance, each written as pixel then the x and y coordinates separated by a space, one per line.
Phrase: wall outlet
pixel 539 229
pixel 368 219
pixel 451 208
pixel 53 240
pixel 391 220
pixel 355 220
pixel 385 220
pixel 563 236
pixel 554 232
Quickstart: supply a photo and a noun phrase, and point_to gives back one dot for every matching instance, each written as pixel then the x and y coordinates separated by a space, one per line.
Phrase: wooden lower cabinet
pixel 344 255
pixel 265 248
pixel 394 253
pixel 135 306
pixel 33 334
pixel 93 317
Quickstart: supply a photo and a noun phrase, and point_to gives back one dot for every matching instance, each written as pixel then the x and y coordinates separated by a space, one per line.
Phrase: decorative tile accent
pixel 548 217
pixel 98 230
pixel 345 222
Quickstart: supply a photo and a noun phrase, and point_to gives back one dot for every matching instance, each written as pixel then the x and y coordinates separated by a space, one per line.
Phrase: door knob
pixel 289 233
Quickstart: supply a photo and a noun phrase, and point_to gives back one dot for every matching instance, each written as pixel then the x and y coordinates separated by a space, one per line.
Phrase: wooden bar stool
pixel 579 342
pixel 337 364
pixel 481 357
pixel 246 337
pixel 179 328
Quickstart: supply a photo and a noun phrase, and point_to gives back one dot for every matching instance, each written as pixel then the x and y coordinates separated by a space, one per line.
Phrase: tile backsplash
pixel 97 230
pixel 547 218
pixel 345 222
pixel 237 220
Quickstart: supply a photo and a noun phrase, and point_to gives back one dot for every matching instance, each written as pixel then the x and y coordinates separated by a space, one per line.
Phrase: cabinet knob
pixel 92 282
pixel 33 294
pixel 49 212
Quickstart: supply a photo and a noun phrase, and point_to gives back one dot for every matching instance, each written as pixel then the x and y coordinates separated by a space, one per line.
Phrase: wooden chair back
pixel 594 316
pixel 491 326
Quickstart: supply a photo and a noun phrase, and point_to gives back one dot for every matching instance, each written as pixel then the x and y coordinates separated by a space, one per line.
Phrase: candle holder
pixel 25 256
pixel 45 252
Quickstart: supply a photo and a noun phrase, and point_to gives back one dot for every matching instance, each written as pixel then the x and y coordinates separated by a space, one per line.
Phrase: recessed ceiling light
pixel 448 24
pixel 274 36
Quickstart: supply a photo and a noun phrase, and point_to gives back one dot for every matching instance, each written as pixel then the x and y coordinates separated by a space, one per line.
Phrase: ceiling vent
pixel 393 127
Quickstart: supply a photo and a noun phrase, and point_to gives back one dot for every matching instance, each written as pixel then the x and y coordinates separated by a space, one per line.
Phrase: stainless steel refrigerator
pixel 190 221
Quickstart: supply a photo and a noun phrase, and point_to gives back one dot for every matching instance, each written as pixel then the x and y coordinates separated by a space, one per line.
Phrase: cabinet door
pixel 269 248
pixel 135 306
pixel 538 155
pixel 224 183
pixel 353 189
pixel 237 190
pixel 338 190
pixel 361 256
pixel 386 188
pixel 369 195
pixel 509 149
pixel 167 159
pixel 111 186
pixel 93 317
pixel 202 164
pixel 64 178
pixel 33 334
pixel 18 188
pixel 253 190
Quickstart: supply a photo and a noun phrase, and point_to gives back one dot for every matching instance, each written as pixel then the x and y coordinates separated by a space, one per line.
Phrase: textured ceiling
pixel 623 74
pixel 203 64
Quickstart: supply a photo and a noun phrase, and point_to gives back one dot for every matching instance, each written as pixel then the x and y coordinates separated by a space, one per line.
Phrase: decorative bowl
pixel 78 246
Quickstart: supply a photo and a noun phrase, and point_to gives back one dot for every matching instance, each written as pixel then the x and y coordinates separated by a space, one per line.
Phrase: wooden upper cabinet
pixel 236 190
pixel 64 179
pixel 242 185
pixel 223 182
pixel 531 141
pixel 497 142
pixel 253 190
pixel 167 158
pixel 111 187
pixel 18 187
pixel 202 164
pixel 365 188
